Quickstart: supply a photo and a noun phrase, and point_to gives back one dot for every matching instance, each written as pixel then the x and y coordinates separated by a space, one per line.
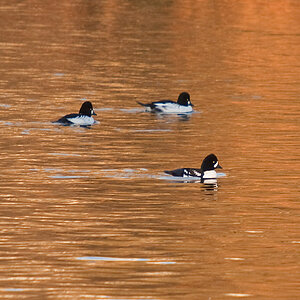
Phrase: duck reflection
pixel 173 117
pixel 206 184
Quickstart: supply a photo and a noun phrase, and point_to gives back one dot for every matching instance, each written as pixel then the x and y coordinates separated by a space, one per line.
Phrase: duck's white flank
pixel 173 108
pixel 82 120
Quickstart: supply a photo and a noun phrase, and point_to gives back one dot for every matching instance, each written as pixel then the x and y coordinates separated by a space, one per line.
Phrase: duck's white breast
pixel 210 174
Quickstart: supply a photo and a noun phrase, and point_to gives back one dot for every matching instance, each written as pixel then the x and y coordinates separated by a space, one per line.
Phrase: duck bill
pixel 93 113
pixel 218 167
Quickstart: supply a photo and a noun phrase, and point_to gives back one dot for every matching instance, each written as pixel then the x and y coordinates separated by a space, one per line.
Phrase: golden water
pixel 87 213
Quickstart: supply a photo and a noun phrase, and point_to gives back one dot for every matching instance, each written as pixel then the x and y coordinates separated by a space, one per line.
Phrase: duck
pixel 182 106
pixel 207 170
pixel 83 118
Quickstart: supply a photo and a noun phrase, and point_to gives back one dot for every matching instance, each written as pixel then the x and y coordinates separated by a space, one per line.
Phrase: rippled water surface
pixel 87 213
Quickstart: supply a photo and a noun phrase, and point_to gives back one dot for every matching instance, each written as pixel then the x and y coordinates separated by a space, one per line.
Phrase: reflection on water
pixel 88 213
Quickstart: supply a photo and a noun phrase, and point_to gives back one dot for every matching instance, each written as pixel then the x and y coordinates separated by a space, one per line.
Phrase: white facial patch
pixel 216 164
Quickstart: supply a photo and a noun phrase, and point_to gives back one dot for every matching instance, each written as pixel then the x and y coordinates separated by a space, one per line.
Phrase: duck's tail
pixel 142 104
pixel 177 172
pixel 168 172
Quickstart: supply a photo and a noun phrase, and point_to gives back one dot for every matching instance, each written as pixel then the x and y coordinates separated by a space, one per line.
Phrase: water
pixel 88 213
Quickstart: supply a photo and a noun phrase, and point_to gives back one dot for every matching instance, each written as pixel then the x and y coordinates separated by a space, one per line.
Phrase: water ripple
pixel 123 259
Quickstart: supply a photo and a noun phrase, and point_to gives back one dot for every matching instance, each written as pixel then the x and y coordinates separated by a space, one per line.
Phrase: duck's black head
pixel 87 109
pixel 184 99
pixel 210 162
